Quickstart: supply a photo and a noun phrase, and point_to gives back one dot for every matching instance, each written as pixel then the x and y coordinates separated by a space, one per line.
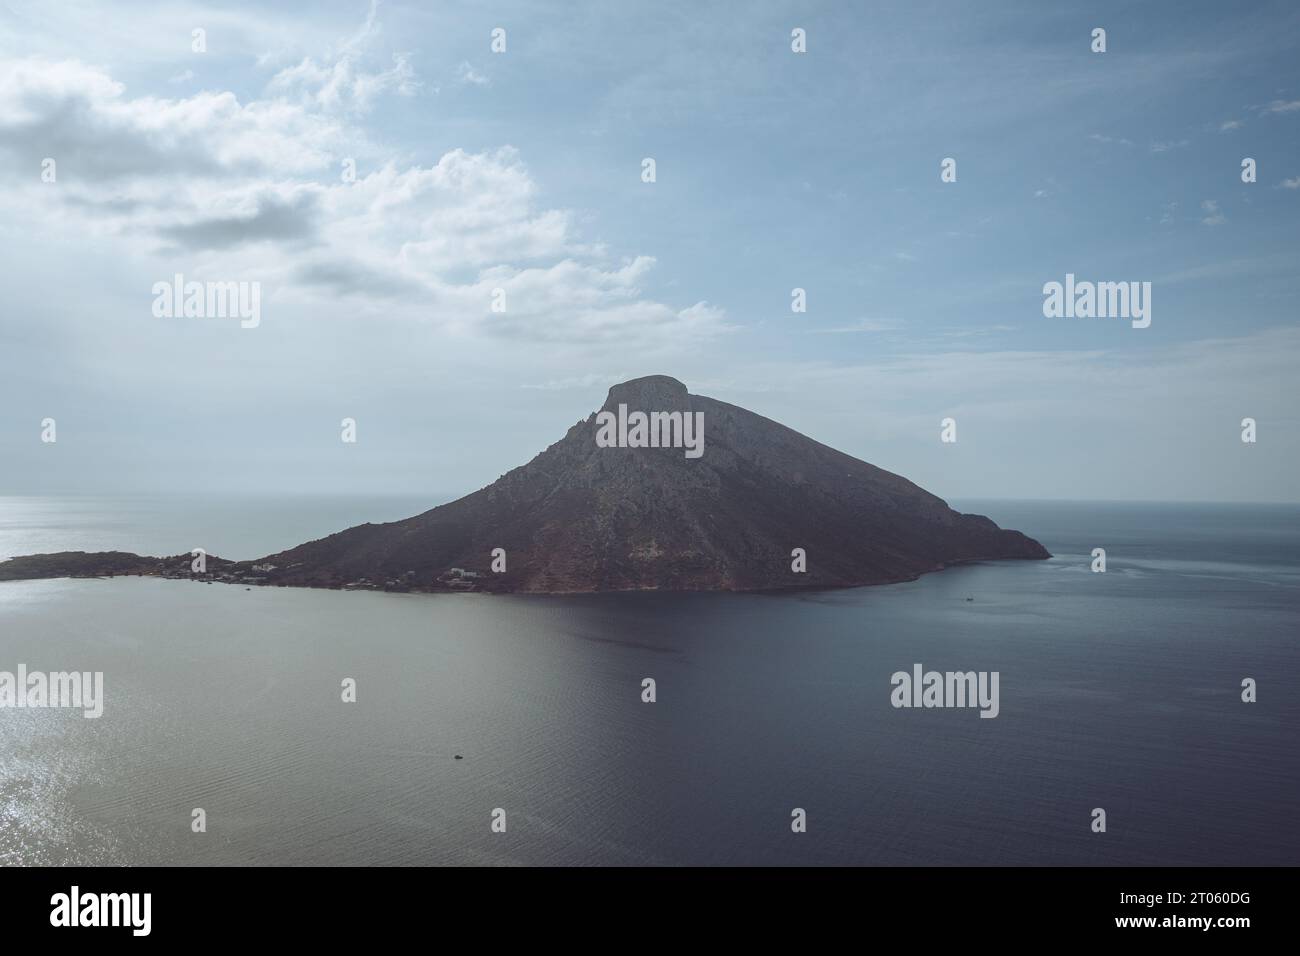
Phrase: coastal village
pixel 453 579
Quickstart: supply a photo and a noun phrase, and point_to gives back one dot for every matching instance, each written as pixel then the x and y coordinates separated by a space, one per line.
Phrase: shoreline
pixel 795 588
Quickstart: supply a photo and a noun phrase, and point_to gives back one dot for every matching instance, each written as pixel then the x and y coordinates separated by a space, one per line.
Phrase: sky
pixel 522 171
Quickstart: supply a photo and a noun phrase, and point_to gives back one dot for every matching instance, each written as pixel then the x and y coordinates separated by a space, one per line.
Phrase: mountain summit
pixel 623 502
pixel 582 517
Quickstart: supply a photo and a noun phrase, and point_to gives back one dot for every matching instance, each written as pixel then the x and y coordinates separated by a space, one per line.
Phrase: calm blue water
pixel 1118 690
pixel 239 528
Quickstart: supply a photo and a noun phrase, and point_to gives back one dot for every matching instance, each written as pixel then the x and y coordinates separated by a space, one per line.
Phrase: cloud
pixel 336 279
pixel 576 302
pixel 468 210
pixel 82 117
pixel 271 215
pixel 862 325
pixel 1293 183
pixel 1232 124
pixel 341 85
pixel 1213 216
pixel 976 332
pixel 466 74
pixel 254 189
pixel 1282 106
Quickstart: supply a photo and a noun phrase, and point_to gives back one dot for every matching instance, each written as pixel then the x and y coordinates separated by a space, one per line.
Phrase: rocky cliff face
pixel 580 517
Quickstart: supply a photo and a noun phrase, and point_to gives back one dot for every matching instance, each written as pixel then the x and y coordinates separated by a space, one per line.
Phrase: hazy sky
pixel 521 171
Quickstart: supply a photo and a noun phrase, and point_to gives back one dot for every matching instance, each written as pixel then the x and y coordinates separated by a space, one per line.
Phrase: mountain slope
pixel 579 517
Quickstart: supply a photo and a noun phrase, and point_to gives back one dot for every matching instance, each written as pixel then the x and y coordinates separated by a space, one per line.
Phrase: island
pixel 659 489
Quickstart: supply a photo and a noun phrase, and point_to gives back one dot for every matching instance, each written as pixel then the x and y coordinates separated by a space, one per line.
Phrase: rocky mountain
pixel 593 512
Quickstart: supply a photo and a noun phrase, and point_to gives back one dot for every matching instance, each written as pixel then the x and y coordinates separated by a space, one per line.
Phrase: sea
pixel 771 740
